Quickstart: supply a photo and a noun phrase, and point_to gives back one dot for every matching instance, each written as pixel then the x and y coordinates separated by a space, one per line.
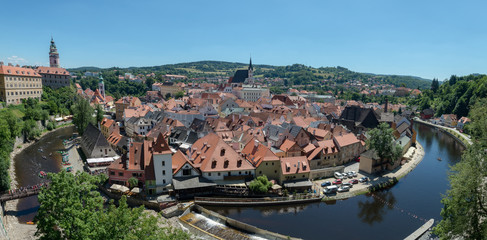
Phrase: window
pixel 134 174
pixel 186 172
pixel 163 163
pixel 163 172
pixel 112 173
pixel 209 174
pixel 164 181
pixel 260 172
pixel 219 174
pixel 120 174
pixel 275 171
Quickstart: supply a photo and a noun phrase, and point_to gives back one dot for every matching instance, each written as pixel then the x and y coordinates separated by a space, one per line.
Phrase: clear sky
pixel 415 37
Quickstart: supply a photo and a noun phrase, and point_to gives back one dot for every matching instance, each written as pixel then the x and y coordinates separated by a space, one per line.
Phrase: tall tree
pixel 71 208
pixel 382 141
pixel 99 113
pixel 83 115
pixel 435 85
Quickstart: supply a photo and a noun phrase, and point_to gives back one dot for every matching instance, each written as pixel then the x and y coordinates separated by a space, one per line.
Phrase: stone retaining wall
pixel 325 172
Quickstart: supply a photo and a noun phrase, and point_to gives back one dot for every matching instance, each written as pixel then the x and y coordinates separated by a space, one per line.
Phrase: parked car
pixel 343 189
pixel 347 184
pixel 363 179
pixel 338 175
pixel 337 182
pixel 353 181
pixel 330 189
pixel 326 183
pixel 349 174
pixel 354 174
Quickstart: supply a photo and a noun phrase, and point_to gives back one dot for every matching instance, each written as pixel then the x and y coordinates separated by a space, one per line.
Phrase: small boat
pixel 66 164
pixel 30 223
pixel 69 169
pixel 439 159
pixel 40 150
pixel 42 174
pixel 44 157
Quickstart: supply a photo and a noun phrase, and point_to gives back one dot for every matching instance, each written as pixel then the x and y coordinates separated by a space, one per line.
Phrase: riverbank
pixel 416 155
pixel 15 229
pixel 462 138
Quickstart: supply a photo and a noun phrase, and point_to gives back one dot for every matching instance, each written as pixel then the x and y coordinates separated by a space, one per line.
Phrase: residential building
pixel 325 155
pixel 218 161
pixel 448 120
pixel 109 126
pixel 463 122
pixel 124 103
pixel 349 146
pixel 170 88
pixel 54 77
pixel 264 160
pixel 96 147
pixel 251 93
pixel 17 83
pixel 295 173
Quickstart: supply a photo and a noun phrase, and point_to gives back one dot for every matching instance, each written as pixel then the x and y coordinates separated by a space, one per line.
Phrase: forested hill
pixel 297 74
pixel 457 95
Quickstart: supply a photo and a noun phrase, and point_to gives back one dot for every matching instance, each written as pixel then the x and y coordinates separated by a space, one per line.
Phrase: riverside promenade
pixel 464 138
pixel 415 154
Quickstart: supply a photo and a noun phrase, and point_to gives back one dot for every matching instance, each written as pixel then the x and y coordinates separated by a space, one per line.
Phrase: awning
pixel 118 187
pixel 276 187
pixel 298 183
pixel 136 190
pixel 101 160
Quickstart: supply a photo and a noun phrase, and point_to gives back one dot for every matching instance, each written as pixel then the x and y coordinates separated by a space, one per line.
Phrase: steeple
pixel 53 55
pixel 251 72
pixel 250 65
pixel 101 87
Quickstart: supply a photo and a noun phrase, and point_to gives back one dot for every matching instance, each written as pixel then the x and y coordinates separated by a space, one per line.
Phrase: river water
pixel 389 214
pixel 30 162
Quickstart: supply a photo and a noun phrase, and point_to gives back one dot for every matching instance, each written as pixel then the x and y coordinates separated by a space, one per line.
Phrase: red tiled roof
pixel 18 71
pixel 346 139
pixel 289 165
pixel 52 70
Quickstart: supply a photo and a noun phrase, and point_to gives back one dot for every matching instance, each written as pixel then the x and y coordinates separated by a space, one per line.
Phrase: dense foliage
pixel 260 184
pixel 456 96
pixel 465 209
pixel 71 208
pixel 382 141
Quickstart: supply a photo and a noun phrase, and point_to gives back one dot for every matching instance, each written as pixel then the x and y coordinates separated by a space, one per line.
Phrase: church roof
pixel 240 76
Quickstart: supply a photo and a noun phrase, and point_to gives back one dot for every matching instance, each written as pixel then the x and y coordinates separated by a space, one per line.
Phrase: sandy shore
pixel 15 229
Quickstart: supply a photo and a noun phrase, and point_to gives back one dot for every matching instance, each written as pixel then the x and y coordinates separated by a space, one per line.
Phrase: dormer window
pixel 222 152
pixel 239 163
pixel 213 163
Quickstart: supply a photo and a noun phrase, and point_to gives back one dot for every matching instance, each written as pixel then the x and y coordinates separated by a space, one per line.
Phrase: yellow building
pixel 17 83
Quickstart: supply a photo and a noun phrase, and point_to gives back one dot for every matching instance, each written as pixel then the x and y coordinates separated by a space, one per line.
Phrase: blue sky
pixel 422 38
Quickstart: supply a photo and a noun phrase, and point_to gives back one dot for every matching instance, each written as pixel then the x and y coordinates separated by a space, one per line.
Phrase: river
pixel 30 162
pixel 389 214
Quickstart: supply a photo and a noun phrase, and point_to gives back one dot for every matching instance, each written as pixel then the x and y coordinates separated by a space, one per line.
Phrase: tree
pixel 464 210
pixel 99 113
pixel 435 85
pixel 83 115
pixel 381 141
pixel 167 96
pixel 179 95
pixel 260 184
pixel 71 208
pixel 31 130
pixel 133 182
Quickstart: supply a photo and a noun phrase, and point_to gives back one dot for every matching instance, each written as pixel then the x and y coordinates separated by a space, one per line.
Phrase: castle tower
pixel 101 87
pixel 53 55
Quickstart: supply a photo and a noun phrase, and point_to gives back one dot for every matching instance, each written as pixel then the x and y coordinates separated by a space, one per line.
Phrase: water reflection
pixel 373 209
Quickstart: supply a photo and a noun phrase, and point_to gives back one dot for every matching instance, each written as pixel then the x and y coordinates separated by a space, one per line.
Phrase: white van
pixel 338 175
pixel 330 189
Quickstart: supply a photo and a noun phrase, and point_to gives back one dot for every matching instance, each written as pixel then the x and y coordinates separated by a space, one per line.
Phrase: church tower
pixel 251 70
pixel 101 87
pixel 53 55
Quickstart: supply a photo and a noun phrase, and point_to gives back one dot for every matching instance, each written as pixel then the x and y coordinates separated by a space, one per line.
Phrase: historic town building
pixel 54 76
pixel 17 83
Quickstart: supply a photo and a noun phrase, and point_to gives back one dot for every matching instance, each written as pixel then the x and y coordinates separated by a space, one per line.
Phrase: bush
pixel 260 185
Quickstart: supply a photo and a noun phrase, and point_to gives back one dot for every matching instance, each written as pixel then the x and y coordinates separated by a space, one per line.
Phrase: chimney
pixel 1 63
pixel 298 166
pixel 256 143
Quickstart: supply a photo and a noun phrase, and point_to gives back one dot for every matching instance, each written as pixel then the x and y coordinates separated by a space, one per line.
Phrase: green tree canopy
pixel 83 115
pixel 382 141
pixel 71 208
pixel 260 184
pixel 99 113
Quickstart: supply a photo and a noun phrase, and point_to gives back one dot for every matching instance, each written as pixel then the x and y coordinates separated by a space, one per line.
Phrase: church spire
pixel 250 64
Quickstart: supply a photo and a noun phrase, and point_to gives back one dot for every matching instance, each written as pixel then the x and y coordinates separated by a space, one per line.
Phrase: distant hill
pixel 297 74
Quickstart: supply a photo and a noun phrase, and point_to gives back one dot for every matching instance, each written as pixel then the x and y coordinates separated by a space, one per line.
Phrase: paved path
pixel 464 136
